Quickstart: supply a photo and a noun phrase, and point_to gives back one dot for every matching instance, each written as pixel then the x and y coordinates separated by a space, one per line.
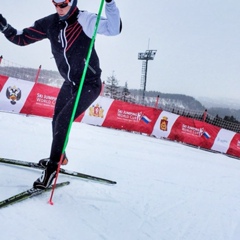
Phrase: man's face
pixel 62 11
pixel 62 8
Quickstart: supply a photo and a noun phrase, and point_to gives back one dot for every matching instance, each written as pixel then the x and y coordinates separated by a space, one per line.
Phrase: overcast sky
pixel 197 43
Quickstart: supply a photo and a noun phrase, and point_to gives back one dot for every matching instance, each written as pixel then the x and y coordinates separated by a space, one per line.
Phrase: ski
pixel 32 192
pixel 63 171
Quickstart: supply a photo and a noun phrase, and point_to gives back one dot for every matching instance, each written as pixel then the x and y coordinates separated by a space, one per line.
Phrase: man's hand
pixel 3 23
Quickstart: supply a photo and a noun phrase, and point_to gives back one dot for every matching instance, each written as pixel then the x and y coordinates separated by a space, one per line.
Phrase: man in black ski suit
pixel 69 32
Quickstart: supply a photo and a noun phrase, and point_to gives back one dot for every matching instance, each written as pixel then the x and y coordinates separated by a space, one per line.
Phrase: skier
pixel 69 31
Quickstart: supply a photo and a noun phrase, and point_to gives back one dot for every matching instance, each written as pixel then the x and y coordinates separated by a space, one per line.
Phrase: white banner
pixel 164 123
pixel 97 112
pixel 223 140
pixel 14 94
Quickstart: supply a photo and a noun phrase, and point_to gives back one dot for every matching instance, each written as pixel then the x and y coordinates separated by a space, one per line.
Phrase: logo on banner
pixel 164 123
pixel 14 94
pixel 206 134
pixel 96 111
pixel 145 119
pixel 238 144
pixel 198 132
pixel 45 100
pixel 133 116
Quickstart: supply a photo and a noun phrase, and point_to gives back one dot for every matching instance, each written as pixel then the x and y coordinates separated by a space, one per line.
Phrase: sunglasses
pixel 62 4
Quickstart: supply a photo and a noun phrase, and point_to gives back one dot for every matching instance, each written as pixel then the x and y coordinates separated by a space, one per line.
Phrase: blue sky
pixel 197 43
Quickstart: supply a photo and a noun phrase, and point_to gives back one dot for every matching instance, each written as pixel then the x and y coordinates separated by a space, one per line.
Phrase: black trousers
pixel 64 108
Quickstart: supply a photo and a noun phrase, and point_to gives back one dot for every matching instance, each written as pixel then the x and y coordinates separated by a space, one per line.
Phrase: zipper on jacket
pixel 64 45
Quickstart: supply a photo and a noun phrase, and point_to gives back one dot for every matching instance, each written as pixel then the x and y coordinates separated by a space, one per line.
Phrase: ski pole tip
pixel 51 202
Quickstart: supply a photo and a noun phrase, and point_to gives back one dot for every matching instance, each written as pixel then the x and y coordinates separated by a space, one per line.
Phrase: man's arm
pixel 110 25
pixel 23 37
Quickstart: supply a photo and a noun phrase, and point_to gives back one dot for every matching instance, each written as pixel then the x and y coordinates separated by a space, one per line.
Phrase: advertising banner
pixel 223 140
pixel 41 100
pixel 3 80
pixel 193 132
pixel 164 123
pixel 131 117
pixel 234 148
pixel 26 97
pixel 14 94
pixel 98 111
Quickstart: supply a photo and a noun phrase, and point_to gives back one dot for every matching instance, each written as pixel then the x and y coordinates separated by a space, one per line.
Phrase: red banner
pixel 41 100
pixel 122 115
pixel 26 97
pixel 234 147
pixel 3 80
pixel 194 132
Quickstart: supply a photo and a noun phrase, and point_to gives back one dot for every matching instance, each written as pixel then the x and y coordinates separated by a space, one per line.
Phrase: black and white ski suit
pixel 70 41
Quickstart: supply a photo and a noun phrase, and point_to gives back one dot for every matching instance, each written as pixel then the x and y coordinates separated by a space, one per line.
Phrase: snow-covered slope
pixel 164 191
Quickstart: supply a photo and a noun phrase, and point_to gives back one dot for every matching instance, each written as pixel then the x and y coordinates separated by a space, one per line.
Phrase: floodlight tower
pixel 148 55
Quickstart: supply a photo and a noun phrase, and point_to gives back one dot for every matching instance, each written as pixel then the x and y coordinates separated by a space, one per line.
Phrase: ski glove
pixel 3 23
pixel 108 1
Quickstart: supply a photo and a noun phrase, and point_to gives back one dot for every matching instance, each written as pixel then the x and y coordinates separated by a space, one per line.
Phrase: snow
pixel 164 191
